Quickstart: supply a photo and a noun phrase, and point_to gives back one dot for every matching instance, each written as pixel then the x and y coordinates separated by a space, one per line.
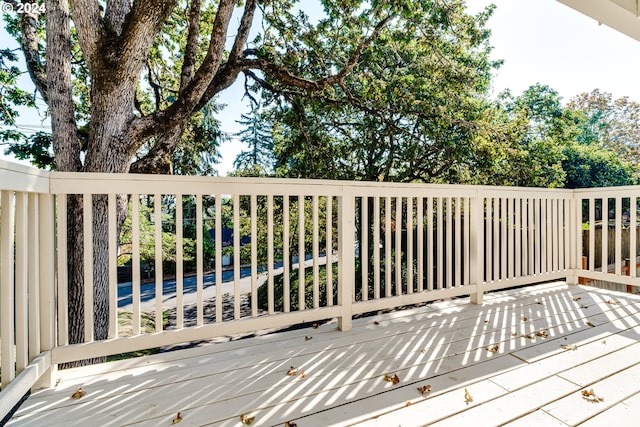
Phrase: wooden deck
pixel 529 380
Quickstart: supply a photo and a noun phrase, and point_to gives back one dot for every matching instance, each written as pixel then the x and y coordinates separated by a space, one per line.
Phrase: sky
pixel 540 41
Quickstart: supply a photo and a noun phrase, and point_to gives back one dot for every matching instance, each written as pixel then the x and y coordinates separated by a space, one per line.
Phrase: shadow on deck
pixel 551 341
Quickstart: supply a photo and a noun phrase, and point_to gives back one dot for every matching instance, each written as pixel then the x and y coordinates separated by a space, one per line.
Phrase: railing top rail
pixel 103 183
pixel 18 177
pixel 609 191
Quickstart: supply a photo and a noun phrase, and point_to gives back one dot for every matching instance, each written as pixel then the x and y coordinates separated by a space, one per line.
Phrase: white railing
pixel 609 234
pixel 356 247
pixel 27 274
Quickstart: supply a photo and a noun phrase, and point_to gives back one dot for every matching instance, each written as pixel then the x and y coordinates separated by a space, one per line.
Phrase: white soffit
pixel 621 15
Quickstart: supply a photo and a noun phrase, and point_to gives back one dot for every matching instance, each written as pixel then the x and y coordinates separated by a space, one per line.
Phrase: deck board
pixel 443 344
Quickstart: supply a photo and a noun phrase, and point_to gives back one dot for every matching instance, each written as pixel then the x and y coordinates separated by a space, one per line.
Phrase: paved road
pixel 148 290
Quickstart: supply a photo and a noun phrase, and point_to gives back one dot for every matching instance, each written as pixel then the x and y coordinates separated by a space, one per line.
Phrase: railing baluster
pixel 532 227
pixel 301 255
pixel 180 262
pixel 537 237
pixel 200 259
pixel 7 307
pixel 87 201
pixel 440 244
pixel 430 246
pixel 421 249
pixel 237 257
pixel 398 243
pixel 34 274
pixel 488 239
pixel 113 265
pixel 286 254
pixel 563 247
pixel 376 247
pixel 618 236
pixel 329 250
pixel 157 218
pixel 592 234
pixel 503 238
pixel 218 243
pixel 135 262
pixel 409 245
pixel 21 281
pixel 633 213
pixel 364 247
pixel 548 227
pixel 511 229
pixel 466 237
pixel 518 236
pixel 605 234
pixel 524 234
pixel 270 274
pixel 254 251
pixel 387 246
pixel 315 251
pixel 448 252
pixel 458 243
pixel 496 239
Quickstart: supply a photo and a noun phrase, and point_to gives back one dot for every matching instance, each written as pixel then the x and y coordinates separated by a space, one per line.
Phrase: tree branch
pixel 188 66
pixel 90 29
pixel 115 14
pixel 29 41
pixel 63 125
pixel 179 111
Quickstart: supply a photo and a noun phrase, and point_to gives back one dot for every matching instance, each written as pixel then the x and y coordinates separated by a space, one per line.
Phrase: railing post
pixel 575 239
pixel 476 247
pixel 346 260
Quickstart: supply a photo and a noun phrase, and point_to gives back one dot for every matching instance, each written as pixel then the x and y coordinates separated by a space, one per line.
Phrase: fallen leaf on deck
pixel 177 419
pixel 58 381
pixel 543 334
pixel 513 334
pixel 467 397
pixel 424 390
pixel 530 336
pixel 393 380
pixel 290 424
pixel 540 302
pixel 78 394
pixel 569 347
pixel 590 324
pixel 303 375
pixel 292 372
pixel 408 403
pixel 424 350
pixel 583 306
pixel 376 322
pixel 524 318
pixel 247 420
pixel 576 298
pixel 315 326
pixel 486 321
pixel 613 302
pixel 307 338
pixel 591 396
pixel 603 341
pixel 493 348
